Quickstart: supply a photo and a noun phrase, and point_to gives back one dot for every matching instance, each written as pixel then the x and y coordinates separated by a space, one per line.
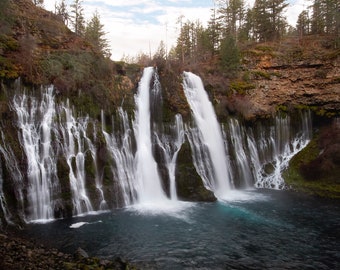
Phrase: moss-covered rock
pixel 189 184
pixel 316 168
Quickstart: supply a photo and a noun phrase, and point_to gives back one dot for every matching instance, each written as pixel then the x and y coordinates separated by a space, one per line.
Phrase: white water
pixel 228 157
pixel 242 166
pixel 209 137
pixel 282 145
pixel 120 149
pixel 15 175
pixel 148 181
pixel 170 146
pixel 35 122
pixel 73 134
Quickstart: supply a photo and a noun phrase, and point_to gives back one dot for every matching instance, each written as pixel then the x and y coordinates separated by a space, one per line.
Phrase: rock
pixel 189 184
pixel 80 254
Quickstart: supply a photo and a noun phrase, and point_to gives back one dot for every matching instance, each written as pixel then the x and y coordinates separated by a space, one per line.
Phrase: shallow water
pixel 254 230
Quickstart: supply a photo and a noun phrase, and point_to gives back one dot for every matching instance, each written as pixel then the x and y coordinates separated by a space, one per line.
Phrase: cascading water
pixel 35 121
pixel 120 149
pixel 242 165
pixel 14 175
pixel 211 156
pixel 98 179
pixel 226 157
pixel 148 182
pixel 73 133
pixel 281 145
pixel 3 203
pixel 170 146
pixel 256 160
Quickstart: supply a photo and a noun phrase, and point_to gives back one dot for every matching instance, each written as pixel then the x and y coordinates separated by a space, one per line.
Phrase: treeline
pixel 73 16
pixel 322 17
pixel 232 25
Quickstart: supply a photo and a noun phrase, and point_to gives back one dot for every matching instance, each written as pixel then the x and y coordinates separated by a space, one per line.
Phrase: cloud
pixel 135 26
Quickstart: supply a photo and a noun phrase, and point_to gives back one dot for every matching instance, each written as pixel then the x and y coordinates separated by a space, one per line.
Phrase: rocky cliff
pixel 36 46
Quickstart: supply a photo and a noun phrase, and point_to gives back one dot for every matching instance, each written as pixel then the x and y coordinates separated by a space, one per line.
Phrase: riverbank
pixel 21 253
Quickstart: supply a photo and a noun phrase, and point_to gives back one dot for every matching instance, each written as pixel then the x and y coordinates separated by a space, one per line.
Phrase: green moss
pixel 264 48
pixel 241 87
pixel 282 108
pixel 259 74
pixel 324 187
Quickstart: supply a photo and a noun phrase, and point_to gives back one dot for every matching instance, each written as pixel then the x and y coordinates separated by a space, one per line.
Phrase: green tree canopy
pixel 77 17
pixel 94 34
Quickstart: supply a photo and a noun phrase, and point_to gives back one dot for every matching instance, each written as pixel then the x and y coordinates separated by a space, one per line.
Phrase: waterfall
pixel 170 146
pixel 208 137
pixel 120 149
pixel 74 135
pixel 98 179
pixel 149 187
pixel 58 164
pixel 15 176
pixel 35 121
pixel 276 149
pixel 3 203
pixel 242 162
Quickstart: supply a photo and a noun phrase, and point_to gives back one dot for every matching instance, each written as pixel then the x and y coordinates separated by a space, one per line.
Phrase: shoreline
pixel 19 252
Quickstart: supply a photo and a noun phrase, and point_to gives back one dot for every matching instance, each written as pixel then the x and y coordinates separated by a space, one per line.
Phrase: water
pixel 263 230
pixel 149 187
pixel 35 121
pixel 209 135
pixel 74 136
pixel 120 149
pixel 170 146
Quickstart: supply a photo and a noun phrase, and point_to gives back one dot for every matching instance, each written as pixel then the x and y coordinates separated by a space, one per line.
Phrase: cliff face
pixel 40 49
pixel 302 74
pixel 294 73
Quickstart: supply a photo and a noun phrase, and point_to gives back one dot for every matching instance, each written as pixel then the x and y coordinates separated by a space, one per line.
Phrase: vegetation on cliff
pixel 248 69
pixel 316 168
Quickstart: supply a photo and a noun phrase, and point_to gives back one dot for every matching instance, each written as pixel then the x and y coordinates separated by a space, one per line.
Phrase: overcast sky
pixel 138 26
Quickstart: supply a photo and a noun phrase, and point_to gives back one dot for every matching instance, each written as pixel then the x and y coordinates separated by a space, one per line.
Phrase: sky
pixel 138 26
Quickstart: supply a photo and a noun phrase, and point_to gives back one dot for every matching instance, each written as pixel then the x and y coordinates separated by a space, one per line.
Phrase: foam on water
pixel 78 225
pixel 243 196
pixel 177 209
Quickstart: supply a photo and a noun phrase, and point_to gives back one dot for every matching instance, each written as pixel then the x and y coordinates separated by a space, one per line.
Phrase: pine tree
pixel 229 56
pixel 303 23
pixel 247 30
pixel 61 10
pixel 269 22
pixel 214 31
pixel 232 14
pixel 94 34
pixel 325 17
pixel 38 2
pixel 78 21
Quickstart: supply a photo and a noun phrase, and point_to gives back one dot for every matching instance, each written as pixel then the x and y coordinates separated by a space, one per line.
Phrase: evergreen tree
pixel 229 56
pixel 303 23
pixel 94 34
pixel 269 22
pixel 184 41
pixel 325 17
pixel 261 21
pixel 214 31
pixel 38 2
pixel 78 21
pixel 61 10
pixel 232 14
pixel 247 30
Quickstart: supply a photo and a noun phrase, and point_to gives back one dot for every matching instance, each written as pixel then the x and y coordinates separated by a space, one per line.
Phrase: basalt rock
pixel 189 184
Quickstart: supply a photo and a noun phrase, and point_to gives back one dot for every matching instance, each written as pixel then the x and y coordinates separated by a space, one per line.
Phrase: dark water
pixel 264 230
